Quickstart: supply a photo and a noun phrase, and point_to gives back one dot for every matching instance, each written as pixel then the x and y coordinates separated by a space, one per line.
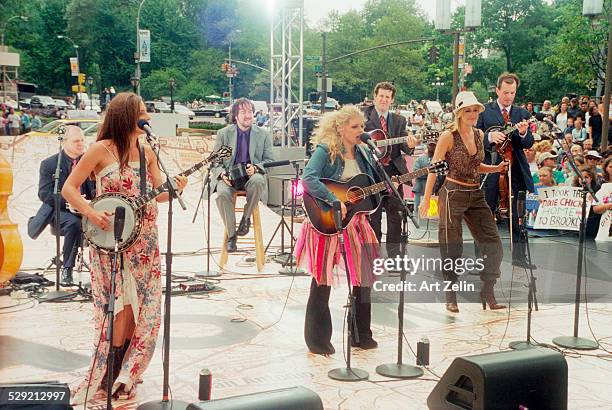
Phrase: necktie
pixel 74 163
pixel 383 124
pixel 506 116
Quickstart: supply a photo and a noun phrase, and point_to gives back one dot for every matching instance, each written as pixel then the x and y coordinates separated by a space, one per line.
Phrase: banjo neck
pixel 144 199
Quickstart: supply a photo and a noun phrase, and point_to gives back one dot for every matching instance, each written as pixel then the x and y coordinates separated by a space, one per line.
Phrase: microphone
pixel 337 215
pixel 119 223
pixel 542 117
pixel 520 206
pixel 273 164
pixel 151 137
pixel 365 137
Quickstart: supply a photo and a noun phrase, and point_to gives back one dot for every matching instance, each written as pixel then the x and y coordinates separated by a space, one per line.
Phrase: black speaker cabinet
pixel 532 378
pixel 290 398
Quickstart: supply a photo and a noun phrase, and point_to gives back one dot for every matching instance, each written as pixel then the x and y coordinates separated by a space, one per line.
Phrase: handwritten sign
pixel 605 197
pixel 560 208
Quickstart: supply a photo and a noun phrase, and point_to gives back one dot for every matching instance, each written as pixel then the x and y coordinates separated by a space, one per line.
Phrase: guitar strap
pixel 143 170
pixel 368 157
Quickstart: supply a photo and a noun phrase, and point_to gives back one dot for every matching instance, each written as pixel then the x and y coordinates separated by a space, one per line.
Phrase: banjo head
pixel 105 240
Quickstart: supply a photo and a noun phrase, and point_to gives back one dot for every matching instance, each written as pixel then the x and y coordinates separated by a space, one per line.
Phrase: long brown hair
pixel 120 120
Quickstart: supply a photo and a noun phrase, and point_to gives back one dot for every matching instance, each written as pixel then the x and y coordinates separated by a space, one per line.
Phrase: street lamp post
pixel 23 18
pixel 76 50
pixel 437 84
pixel 135 85
pixel 137 54
pixel 231 71
pixel 90 81
pixel 172 84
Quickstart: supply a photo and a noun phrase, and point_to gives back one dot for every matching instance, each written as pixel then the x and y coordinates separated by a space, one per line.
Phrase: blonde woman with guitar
pixel 338 155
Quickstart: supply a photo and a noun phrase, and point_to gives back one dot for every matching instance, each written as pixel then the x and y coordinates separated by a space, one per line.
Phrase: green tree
pixel 578 50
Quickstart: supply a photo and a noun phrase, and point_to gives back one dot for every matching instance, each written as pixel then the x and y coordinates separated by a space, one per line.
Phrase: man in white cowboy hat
pixel 502 112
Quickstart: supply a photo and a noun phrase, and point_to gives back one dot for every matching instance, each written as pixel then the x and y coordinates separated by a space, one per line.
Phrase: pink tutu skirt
pixel 320 254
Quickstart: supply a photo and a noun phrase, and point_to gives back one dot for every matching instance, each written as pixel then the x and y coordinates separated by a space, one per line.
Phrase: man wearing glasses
pixel 251 148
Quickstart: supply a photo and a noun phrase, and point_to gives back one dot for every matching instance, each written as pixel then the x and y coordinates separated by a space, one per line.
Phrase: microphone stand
pixel 289 267
pixel 575 342
pixel 532 299
pixel 398 369
pixel 110 312
pixel 206 187
pixel 58 294
pixel 347 374
pixel 165 402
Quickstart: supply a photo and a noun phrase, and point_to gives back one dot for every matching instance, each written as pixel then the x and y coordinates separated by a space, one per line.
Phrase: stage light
pixel 297 189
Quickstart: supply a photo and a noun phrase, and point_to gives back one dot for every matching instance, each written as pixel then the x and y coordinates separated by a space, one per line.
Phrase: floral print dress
pixel 138 284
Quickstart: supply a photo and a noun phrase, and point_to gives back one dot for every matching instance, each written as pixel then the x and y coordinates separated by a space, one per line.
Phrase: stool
pixel 260 256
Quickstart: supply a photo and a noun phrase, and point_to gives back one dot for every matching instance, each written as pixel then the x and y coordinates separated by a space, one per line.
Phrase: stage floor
pixel 250 334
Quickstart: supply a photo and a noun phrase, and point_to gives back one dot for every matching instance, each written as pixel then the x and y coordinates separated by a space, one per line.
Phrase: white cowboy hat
pixel 467 99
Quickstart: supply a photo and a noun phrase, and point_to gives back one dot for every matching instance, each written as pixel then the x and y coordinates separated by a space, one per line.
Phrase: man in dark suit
pixel 378 116
pixel 499 113
pixel 70 223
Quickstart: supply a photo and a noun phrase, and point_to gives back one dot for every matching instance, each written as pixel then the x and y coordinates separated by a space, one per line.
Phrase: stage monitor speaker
pixel 532 378
pixel 290 398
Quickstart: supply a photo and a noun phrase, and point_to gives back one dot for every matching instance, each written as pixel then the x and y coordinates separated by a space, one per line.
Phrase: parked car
pixel 157 106
pixel 181 109
pixel 209 110
pixel 42 101
pixel 61 108
pixel 88 125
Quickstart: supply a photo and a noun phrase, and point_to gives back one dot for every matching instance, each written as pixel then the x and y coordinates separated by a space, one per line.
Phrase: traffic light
pixel 225 67
pixel 434 54
pixel 81 78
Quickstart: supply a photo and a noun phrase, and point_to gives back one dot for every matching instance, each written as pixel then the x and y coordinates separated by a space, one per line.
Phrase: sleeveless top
pixel 461 165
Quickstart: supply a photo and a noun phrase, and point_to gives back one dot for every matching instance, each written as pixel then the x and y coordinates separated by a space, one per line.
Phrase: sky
pixel 315 10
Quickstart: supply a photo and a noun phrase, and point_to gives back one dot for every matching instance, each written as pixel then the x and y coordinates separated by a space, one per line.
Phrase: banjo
pixel 104 241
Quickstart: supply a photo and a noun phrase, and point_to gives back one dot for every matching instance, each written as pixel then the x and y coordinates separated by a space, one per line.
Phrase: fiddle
pixel 504 150
pixel 11 247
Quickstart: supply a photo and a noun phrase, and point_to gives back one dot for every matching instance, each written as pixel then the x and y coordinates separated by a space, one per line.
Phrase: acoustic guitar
pixel 383 142
pixel 359 194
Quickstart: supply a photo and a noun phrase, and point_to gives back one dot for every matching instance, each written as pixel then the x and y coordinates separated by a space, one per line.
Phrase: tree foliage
pixel 551 46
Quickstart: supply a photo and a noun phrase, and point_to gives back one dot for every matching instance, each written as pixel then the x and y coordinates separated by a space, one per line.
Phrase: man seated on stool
pixel 251 145
pixel 70 223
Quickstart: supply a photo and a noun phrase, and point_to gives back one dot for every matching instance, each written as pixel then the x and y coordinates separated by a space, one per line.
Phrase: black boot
pixel 318 324
pixel 118 355
pixel 363 317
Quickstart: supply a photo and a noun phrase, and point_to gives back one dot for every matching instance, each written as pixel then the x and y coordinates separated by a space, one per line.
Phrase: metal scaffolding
pixel 287 71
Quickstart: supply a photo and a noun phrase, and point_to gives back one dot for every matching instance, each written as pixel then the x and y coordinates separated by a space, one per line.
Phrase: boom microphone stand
pixel 206 187
pixel 289 267
pixel 347 374
pixel 532 299
pixel 399 369
pixel 110 307
pixel 575 342
pixel 58 294
pixel 165 402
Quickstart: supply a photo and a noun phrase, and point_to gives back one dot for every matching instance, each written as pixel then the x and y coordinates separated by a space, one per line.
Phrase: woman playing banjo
pixel 114 160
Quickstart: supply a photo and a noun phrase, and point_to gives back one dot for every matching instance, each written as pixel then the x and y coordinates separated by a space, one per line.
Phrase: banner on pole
pixel 74 67
pixel 144 41
pixel 560 208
